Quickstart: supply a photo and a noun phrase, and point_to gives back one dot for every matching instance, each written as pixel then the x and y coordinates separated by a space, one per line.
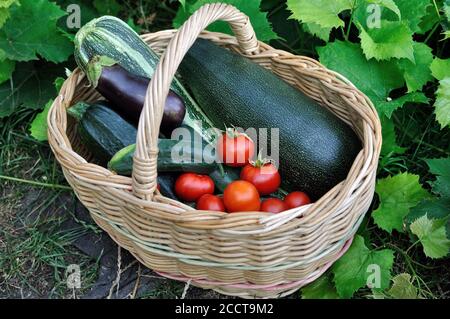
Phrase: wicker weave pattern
pixel 250 254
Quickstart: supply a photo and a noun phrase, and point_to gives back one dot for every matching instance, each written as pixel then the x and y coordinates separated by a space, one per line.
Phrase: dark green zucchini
pixel 107 135
pixel 316 149
pixel 102 131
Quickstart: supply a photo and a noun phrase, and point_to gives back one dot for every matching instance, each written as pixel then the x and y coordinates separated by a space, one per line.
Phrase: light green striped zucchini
pixel 111 37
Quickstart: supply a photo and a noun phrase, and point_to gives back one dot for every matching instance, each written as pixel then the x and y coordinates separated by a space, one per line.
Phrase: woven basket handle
pixel 146 154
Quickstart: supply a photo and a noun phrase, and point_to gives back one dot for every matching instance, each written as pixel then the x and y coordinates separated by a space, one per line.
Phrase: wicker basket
pixel 250 254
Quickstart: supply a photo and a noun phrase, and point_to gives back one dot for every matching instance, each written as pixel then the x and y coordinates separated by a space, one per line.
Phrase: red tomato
pixel 234 148
pixel 296 199
pixel 210 202
pixel 273 205
pixel 190 187
pixel 241 196
pixel 158 187
pixel 265 178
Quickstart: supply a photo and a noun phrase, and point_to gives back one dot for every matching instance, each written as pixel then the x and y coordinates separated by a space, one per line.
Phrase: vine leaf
pixel 259 20
pixel 322 12
pixel 6 69
pixel 375 78
pixel 418 73
pixel 389 145
pixel 442 103
pixel 32 30
pixel 319 16
pixel 432 235
pixel 392 40
pixel 31 86
pixel 38 128
pixel 389 106
pixel 403 288
pixel 322 288
pixel 412 12
pixel 440 68
pixel 398 194
pixel 5 11
pixel 352 271
pixel 441 168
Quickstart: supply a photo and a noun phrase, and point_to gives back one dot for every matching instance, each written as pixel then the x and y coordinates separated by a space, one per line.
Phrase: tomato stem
pixel 260 161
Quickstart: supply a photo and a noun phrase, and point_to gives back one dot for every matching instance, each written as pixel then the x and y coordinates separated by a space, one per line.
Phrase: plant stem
pixel 431 32
pixel 347 34
pixel 35 183
pixel 437 9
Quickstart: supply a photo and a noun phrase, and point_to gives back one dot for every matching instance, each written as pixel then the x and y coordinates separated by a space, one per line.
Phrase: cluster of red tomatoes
pixel 259 178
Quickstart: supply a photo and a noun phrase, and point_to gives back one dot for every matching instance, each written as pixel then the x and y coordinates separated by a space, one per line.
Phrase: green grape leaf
pixel 322 288
pixel 375 79
pixel 4 15
pixel 432 235
pixel 392 40
pixel 4 10
pixel 59 81
pixel 446 35
pixel 365 11
pixel 447 10
pixel 38 128
pixel 258 19
pixel 432 209
pixel 354 270
pixel 317 30
pixel 6 69
pixel 418 73
pixel 440 68
pixel 389 4
pixel 442 103
pixel 435 208
pixel 428 20
pixel 398 194
pixel 389 145
pixel 441 168
pixel 107 7
pixel 412 12
pixel 389 106
pixel 8 3
pixel 32 30
pixel 321 12
pixel 31 86
pixel 403 288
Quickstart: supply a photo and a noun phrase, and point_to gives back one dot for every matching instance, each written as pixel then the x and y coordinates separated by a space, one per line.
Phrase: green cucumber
pixel 316 149
pixel 122 161
pixel 110 138
pixel 223 178
pixel 112 38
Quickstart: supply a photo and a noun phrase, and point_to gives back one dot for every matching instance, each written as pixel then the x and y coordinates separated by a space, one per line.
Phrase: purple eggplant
pixel 126 92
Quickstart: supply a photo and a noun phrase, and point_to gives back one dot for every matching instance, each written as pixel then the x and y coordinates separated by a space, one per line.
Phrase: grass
pixel 167 289
pixel 34 252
